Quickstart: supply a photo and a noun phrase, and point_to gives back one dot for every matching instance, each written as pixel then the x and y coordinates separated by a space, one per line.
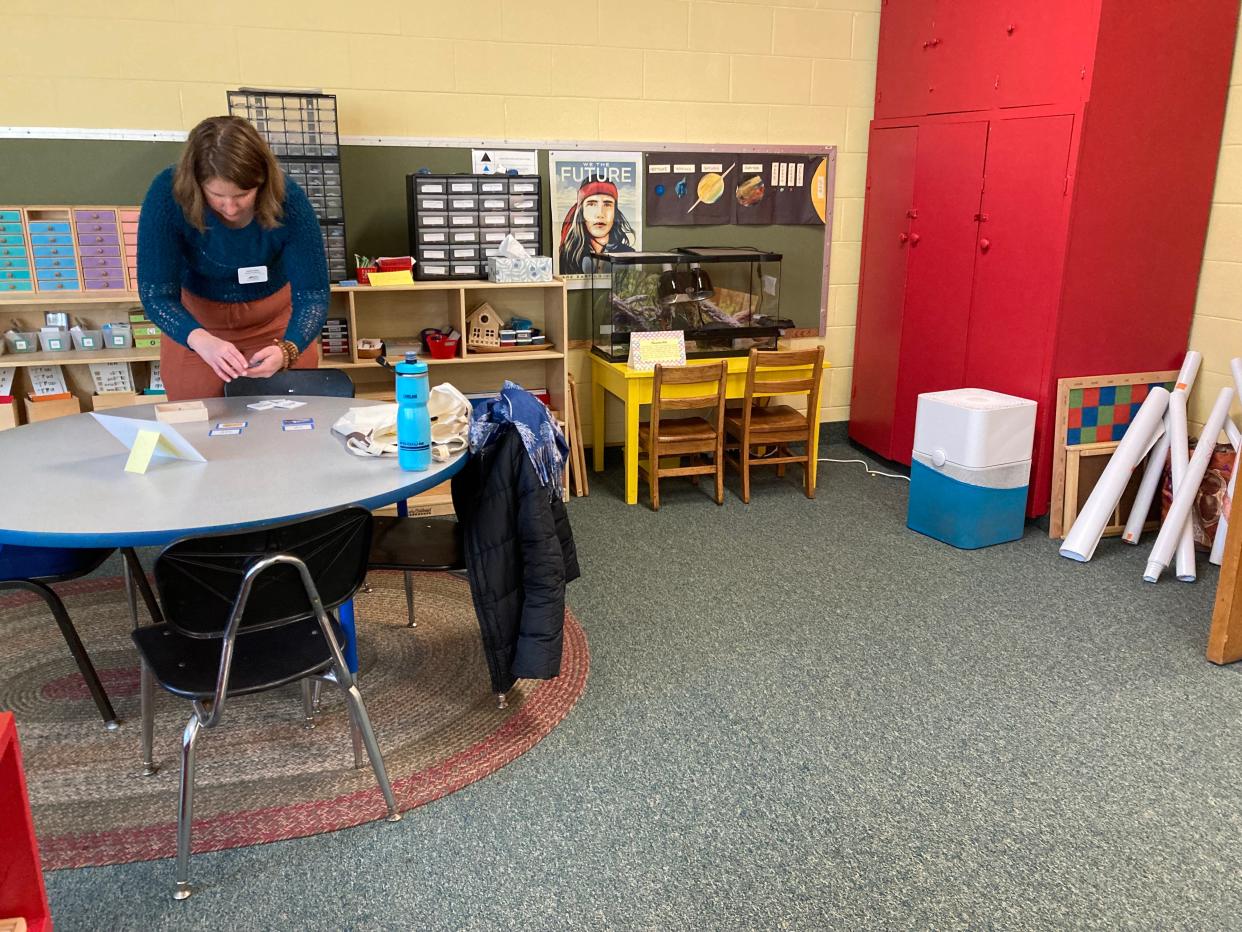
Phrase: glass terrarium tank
pixel 726 299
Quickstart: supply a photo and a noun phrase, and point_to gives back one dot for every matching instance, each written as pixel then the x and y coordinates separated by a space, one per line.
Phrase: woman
pixel 230 263
pixel 592 226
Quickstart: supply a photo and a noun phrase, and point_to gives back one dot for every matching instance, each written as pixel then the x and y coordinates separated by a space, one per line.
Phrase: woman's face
pixel 234 205
pixel 597 214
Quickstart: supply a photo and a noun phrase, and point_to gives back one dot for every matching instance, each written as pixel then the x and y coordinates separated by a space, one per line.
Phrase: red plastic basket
pixel 440 346
pixel 395 263
pixel 364 275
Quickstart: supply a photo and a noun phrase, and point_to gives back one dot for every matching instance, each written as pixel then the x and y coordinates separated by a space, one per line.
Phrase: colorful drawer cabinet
pixel 52 247
pixel 16 274
pixel 98 234
pixel 129 244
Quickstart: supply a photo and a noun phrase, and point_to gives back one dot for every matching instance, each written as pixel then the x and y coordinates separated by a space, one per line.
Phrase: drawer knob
pixel 985 245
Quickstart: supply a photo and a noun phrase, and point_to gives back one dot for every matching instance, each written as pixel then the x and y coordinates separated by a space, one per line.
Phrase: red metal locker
pixel 901 69
pixel 948 176
pixel 881 298
pixel 964 53
pixel 1045 51
pixel 1021 246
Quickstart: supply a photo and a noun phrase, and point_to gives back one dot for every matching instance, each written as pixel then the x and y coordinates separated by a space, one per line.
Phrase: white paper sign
pixel 172 445
pixel 657 347
pixel 112 377
pixel 500 161
pixel 6 379
pixel 157 381
pixel 47 380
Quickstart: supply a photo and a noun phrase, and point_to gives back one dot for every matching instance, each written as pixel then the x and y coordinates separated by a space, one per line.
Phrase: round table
pixel 64 481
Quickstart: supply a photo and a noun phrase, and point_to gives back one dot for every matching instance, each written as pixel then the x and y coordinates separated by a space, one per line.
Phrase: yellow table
pixel 634 390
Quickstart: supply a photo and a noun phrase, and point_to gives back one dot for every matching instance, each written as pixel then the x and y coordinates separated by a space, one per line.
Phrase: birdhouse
pixel 483 326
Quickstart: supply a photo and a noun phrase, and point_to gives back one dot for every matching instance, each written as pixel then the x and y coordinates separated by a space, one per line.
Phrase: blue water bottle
pixel 413 420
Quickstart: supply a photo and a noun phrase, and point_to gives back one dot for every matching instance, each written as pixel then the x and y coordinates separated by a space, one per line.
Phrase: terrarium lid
pixel 687 253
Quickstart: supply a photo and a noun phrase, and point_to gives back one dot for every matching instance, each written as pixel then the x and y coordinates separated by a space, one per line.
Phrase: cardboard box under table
pixel 971 467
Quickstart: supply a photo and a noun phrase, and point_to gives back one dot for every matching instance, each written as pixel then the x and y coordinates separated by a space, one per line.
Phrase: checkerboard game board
pixel 1099 414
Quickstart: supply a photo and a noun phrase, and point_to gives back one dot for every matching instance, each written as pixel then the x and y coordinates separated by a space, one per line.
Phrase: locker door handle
pixel 914 239
pixel 985 245
pixel 903 237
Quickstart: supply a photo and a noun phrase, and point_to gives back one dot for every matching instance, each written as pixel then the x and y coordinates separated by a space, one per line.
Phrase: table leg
pixel 345 615
pixel 597 426
pixel 631 451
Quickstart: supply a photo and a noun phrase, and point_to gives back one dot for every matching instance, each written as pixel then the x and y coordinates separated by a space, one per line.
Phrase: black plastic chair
pixel 34 569
pixel 330 383
pixel 248 612
pixel 416 545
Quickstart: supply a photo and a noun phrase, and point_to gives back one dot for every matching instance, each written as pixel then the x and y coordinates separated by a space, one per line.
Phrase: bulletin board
pixel 119 171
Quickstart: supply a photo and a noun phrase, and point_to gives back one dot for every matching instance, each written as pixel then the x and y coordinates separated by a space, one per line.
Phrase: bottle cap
pixel 411 365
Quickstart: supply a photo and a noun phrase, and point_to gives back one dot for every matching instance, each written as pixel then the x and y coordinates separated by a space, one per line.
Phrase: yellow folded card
pixel 380 279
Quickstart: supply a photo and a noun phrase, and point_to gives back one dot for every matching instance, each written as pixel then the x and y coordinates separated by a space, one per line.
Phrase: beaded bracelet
pixel 289 350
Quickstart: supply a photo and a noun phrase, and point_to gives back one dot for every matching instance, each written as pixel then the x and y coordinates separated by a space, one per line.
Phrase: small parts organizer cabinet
pixel 457 221
pixel 1039 179
pixel 21 878
pixel 398 314
pixel 68 249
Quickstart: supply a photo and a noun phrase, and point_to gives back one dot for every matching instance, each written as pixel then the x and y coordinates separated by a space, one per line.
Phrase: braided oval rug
pixel 261 775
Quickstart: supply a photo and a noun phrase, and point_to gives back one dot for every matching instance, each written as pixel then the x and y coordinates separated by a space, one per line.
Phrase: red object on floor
pixel 21 876
pixel 1039 180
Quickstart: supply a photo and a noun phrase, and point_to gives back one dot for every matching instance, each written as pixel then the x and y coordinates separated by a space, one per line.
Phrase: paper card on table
pixel 224 432
pixel 143 451
pixel 665 347
pixel 232 425
pixel 287 403
pixel 6 379
pixel 170 443
pixel 298 423
pixel 261 405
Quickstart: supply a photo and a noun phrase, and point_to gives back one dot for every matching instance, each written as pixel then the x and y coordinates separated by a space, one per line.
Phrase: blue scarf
pixel 544 442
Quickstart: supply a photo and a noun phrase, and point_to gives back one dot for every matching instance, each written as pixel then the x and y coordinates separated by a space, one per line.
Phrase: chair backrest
pixel 48 564
pixel 333 383
pixel 199 578
pixel 710 378
pixel 768 374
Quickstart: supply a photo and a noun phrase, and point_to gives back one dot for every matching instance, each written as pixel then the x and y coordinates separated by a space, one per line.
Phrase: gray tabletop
pixel 63 482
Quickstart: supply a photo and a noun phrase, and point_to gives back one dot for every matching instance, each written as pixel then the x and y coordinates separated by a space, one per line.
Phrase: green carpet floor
pixel 802 715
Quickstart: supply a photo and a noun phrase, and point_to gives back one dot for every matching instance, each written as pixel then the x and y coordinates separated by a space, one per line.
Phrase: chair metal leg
pixel 409 599
pixel 80 656
pixel 185 808
pixel 146 700
pixel 354 698
pixel 308 704
pixel 316 688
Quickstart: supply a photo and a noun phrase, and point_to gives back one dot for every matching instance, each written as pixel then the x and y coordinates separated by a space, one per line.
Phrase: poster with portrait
pixel 597 207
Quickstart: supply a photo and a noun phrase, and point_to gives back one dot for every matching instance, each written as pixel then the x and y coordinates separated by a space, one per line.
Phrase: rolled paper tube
pixel 1190 369
pixel 1184 499
pixel 1222 524
pixel 1234 435
pixel 1084 536
pixel 1179 455
pixel 1235 366
pixel 1146 490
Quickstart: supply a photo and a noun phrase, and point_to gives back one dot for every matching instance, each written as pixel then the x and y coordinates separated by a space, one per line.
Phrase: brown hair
pixel 228 148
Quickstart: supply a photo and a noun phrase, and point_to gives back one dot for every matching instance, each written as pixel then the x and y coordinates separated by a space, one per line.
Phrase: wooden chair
pixel 682 437
pixel 777 426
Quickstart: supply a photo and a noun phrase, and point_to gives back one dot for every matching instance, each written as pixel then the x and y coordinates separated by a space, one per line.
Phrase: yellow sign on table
pixel 143 450
pixel 380 279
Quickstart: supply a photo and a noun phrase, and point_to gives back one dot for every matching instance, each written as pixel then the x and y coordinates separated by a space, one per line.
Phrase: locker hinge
pixel 981 218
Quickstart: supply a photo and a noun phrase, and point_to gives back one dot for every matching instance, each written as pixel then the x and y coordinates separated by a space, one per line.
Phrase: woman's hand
pixel 267 361
pixel 225 359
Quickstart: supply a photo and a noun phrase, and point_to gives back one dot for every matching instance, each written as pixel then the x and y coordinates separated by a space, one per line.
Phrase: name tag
pixel 252 274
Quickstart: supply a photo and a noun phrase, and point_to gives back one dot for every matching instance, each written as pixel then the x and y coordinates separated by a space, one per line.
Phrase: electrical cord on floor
pixel 870 471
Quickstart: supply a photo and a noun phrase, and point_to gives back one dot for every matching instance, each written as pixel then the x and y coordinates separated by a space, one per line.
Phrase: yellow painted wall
pixel 700 71
pixel 1217 328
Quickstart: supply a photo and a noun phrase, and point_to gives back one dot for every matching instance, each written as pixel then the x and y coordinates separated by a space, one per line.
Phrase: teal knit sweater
pixel 172 255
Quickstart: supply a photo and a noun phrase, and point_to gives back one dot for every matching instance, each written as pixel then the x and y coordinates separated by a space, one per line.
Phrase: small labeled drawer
pixel 9 215
pixel 494 202
pixel 432 203
pixel 433 254
pixel 13 252
pixel 106 284
pixel 465 254
pixel 7 263
pixel 49 239
pixel 113 250
pixel 433 220
pixel 494 220
pixel 12 239
pixel 464 220
pixel 494 236
pixel 432 237
pixel 16 286
pixel 99 239
pixel 430 186
pixel 59 285
pixel 86 229
pixel 494 186
pixel 52 250
pixel 57 274
pixel 14 275
pixel 463 186
pixel 465 269
pixel 101 262
pixel 44 226
pixel 458 202
pixel 94 216
pixel 433 270
pixel 527 202
pixel 523 186
pixel 59 262
pixel 464 236
pixel 9 227
pixel 526 236
pixel 523 220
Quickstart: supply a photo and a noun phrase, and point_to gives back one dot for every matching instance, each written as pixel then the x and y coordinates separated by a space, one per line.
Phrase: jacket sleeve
pixel 541 628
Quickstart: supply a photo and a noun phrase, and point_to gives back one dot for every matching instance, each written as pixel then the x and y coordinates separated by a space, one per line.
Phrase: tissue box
pixel 533 269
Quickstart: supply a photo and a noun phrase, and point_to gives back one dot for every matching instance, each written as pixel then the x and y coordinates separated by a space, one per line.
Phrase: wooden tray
pixel 520 348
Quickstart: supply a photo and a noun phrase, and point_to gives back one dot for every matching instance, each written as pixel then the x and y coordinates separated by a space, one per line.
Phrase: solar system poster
pixel 702 189
pixel 597 207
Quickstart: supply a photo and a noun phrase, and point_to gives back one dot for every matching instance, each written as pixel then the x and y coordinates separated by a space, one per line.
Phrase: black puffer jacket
pixel 520 554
